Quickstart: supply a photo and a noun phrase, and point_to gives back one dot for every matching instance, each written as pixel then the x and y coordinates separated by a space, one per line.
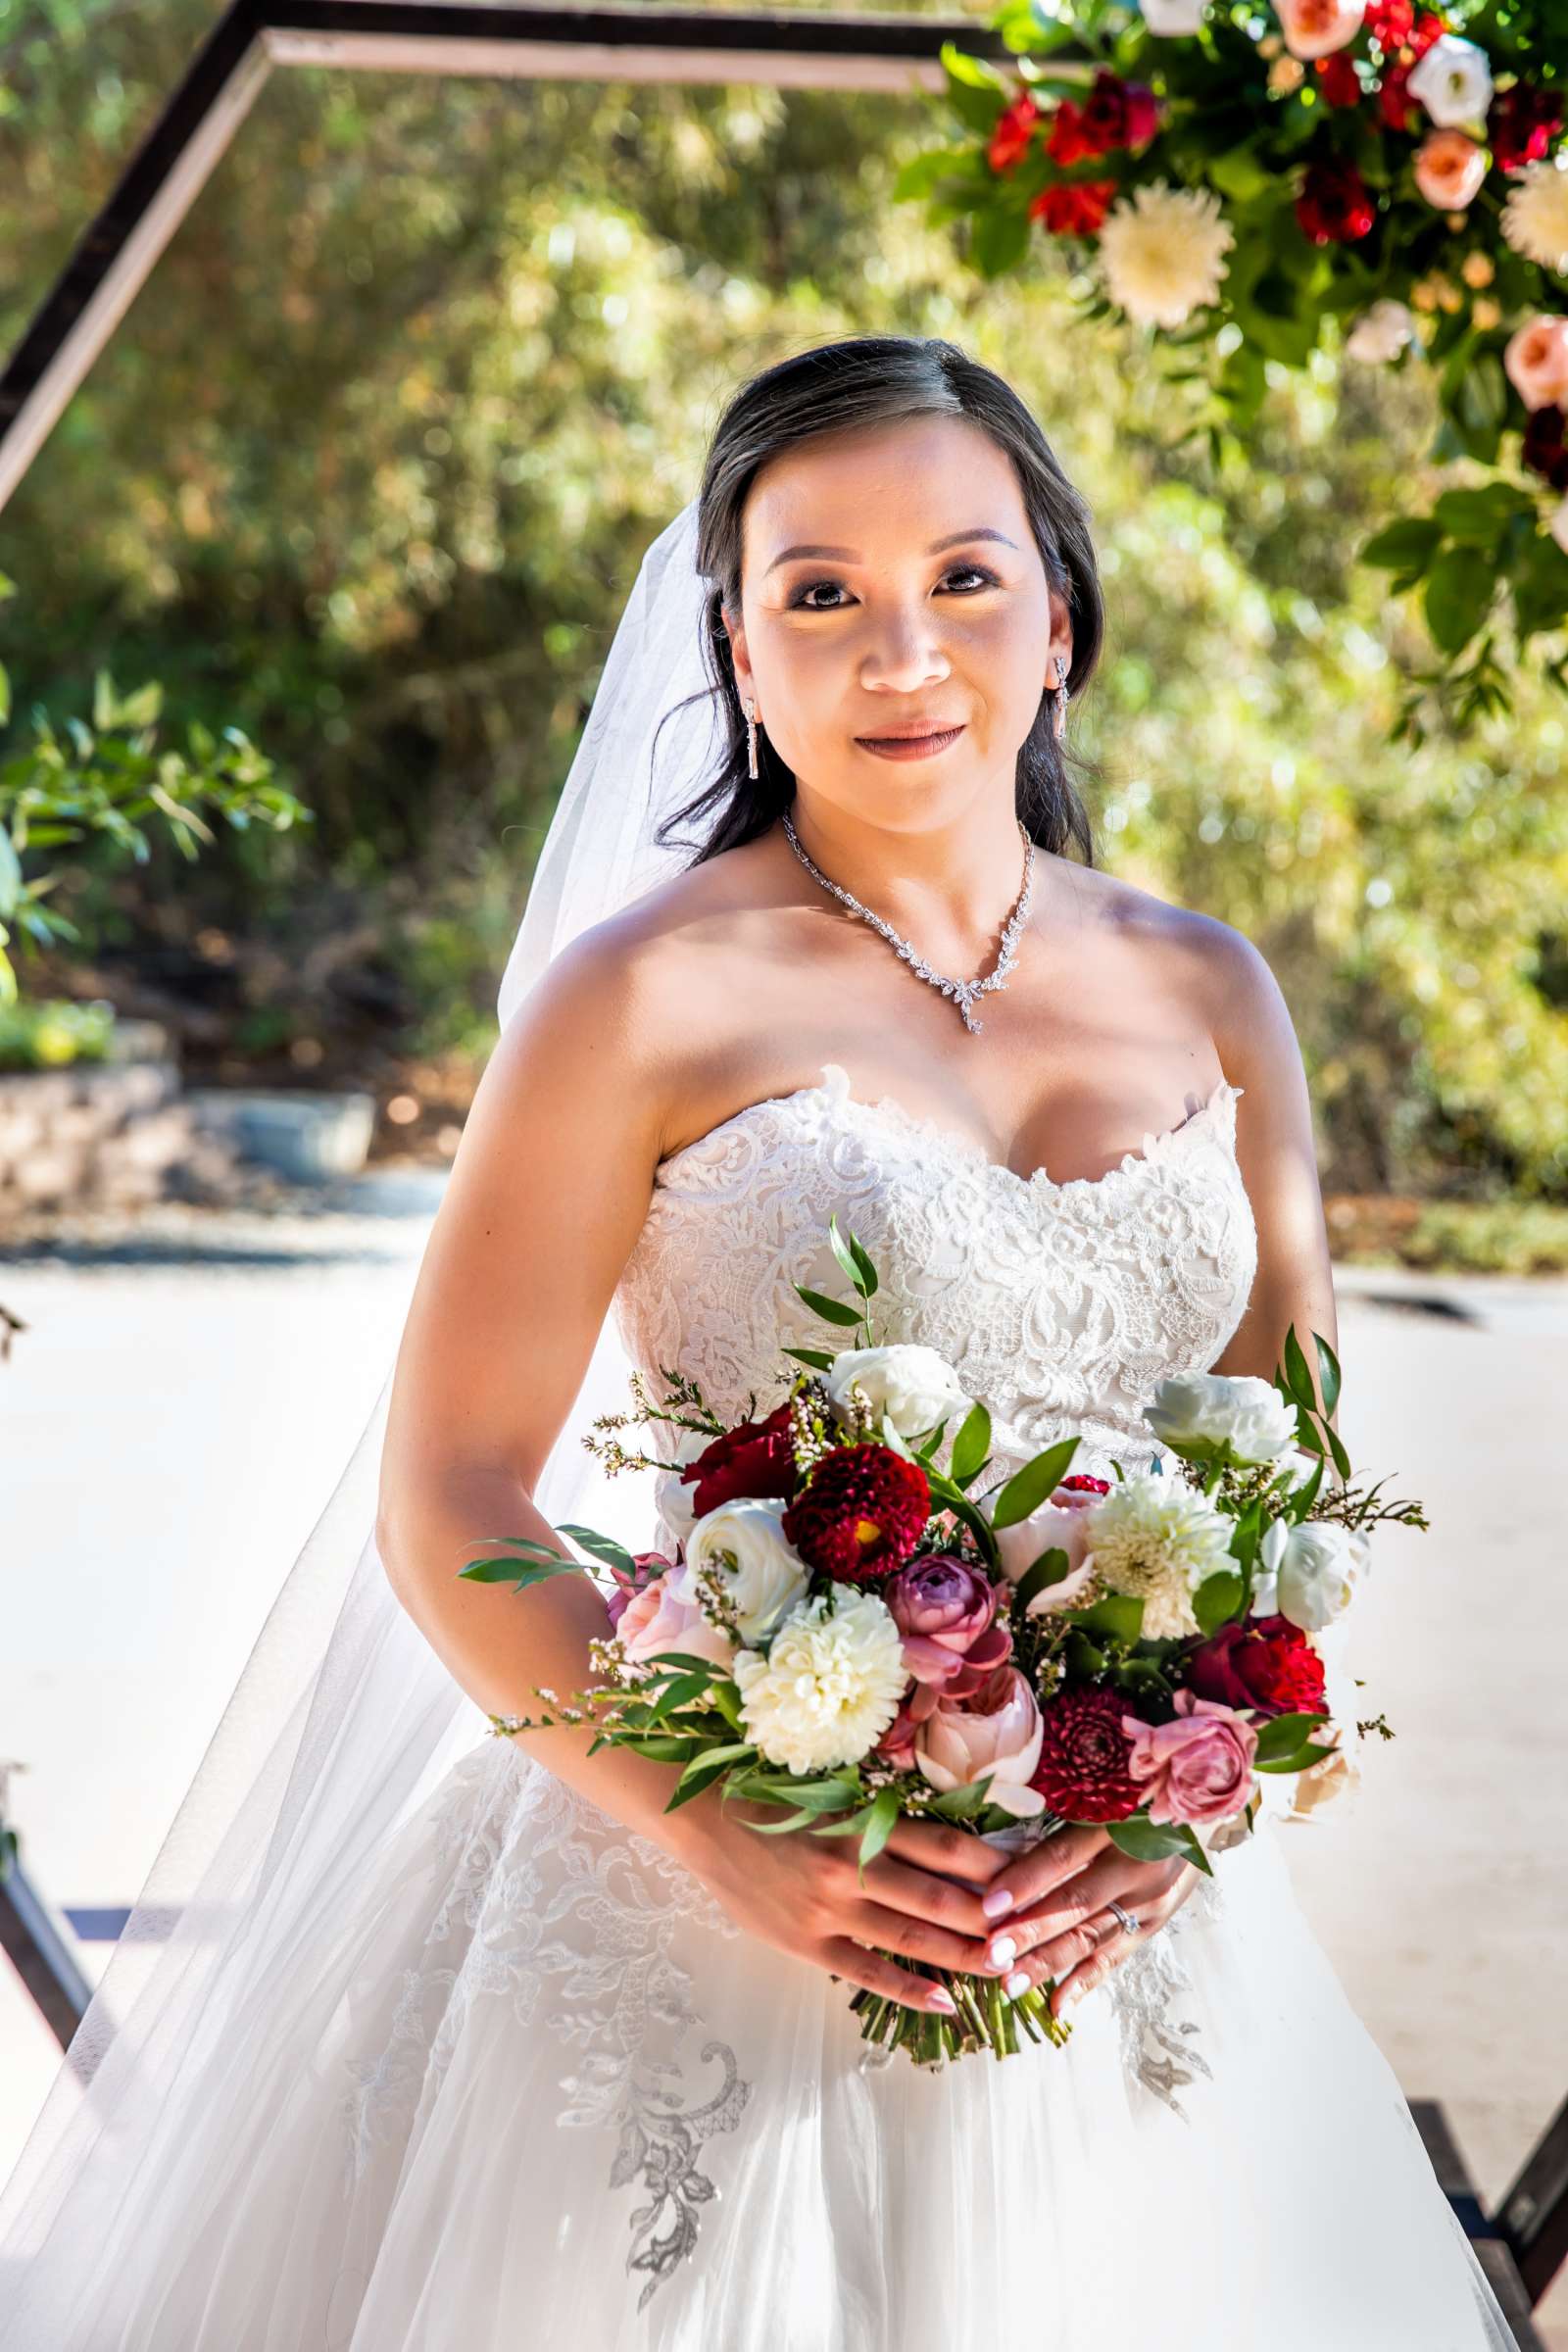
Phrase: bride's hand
pixel 808 1896
pixel 1059 1925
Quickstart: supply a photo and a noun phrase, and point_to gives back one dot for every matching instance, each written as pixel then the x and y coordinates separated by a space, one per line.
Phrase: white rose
pixel 744 1542
pixel 1201 1414
pixel 1171 18
pixel 1309 1572
pixel 912 1384
pixel 1382 332
pixel 1453 81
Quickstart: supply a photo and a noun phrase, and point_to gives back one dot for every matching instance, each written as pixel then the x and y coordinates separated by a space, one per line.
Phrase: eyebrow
pixel 847 555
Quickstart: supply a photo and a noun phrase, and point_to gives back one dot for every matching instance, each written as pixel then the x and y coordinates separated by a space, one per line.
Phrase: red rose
pixel 1076 209
pixel 1070 139
pixel 1080 1483
pixel 1388 23
pixel 756 1457
pixel 1542 447
pixel 1338 80
pixel 1119 114
pixel 1521 124
pixel 1268 1664
pixel 860 1513
pixel 1082 1773
pixel 1334 207
pixel 1015 127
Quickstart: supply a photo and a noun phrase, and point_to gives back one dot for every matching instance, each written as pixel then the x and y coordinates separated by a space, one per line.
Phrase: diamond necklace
pixel 964 991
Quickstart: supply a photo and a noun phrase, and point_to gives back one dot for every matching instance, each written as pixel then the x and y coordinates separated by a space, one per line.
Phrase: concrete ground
pixel 200 1376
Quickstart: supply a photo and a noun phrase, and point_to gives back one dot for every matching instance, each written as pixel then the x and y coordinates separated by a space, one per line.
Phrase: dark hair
pixel 869 380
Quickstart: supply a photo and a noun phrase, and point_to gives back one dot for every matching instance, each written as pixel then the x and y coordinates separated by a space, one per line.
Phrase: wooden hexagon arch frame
pixel 117 252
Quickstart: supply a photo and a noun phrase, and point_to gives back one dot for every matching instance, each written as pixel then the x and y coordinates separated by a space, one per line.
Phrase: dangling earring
pixel 1063 698
pixel 750 709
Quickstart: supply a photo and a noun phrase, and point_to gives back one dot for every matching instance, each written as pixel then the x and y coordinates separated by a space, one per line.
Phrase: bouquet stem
pixel 986 2019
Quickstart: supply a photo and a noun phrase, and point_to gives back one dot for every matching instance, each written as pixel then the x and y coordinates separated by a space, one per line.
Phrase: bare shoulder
pixel 1211 967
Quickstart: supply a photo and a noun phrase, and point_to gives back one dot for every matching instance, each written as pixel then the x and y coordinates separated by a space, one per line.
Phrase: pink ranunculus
pixel 998 1732
pixel 1060 1524
pixel 1198 1768
pixel 945 1610
pixel 657 1619
pixel 1535 359
pixel 1449 168
pixel 1317 28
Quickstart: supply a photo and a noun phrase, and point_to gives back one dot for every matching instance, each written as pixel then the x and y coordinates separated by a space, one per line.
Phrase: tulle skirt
pixel 539 2090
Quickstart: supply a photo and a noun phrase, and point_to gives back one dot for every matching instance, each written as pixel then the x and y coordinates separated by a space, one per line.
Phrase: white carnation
pixel 1162 252
pixel 1453 81
pixel 1217 1417
pixel 743 1542
pixel 912 1384
pixel 829 1686
pixel 1158 1538
pixel 1171 18
pixel 1535 218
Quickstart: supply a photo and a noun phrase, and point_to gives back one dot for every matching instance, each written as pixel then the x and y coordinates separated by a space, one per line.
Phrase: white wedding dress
pixel 532 2088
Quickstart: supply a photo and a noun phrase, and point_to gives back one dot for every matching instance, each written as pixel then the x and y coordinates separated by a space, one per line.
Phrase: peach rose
pixel 1537 360
pixel 998 1732
pixel 657 1619
pixel 1317 28
pixel 1059 1524
pixel 1449 168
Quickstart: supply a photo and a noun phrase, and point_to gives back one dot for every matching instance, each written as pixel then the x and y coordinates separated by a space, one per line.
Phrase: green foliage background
pixel 368 467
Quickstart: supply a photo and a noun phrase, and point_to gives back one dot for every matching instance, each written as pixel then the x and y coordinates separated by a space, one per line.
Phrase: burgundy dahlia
pixel 1543 447
pixel 1268 1664
pixel 1119 114
pixel 1082 1773
pixel 860 1513
pixel 758 1458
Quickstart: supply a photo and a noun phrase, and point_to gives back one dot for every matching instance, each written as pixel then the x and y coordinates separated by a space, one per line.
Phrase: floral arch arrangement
pixel 1240 172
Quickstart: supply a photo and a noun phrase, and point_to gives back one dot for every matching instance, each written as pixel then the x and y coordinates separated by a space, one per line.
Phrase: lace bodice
pixel 1060 1304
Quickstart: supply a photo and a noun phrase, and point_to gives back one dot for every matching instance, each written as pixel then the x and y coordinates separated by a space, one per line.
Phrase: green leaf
pixel 1297 1375
pixel 1341 1461
pixel 1283 1734
pixel 777 1829
pixel 1049 1569
pixel 1300 1761
pixel 885 1810
pixel 831 1310
pixel 1406 546
pixel 1459 597
pixel 602 1548
pixel 517 1573
pixel 5 694
pixel 679 1692
pixel 970 73
pixel 1476 517
pixel 704 1770
pixel 962 1804
pixel 849 1826
pixel 1149 1841
pixel 971 1446
pixel 1119 1616
pixel 1032 1485
pixel 816 1357
pixel 894 1440
pixel 999 240
pixel 1217 1599
pixel 1328 1369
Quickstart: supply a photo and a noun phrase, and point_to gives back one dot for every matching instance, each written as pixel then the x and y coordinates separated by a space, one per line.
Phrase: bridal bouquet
pixel 857 1626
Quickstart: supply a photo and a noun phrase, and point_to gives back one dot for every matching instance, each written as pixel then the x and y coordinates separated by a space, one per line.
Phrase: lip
pixel 919 741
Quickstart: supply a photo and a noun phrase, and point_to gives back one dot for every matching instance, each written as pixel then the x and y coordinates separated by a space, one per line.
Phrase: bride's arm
pixel 547 1197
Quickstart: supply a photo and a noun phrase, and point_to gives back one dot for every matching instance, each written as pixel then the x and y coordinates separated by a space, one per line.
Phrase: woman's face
pixel 924 601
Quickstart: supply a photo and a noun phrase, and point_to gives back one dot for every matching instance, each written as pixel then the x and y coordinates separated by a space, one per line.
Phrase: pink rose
pixel 945 1610
pixel 1317 28
pixel 1536 361
pixel 1059 1524
pixel 1198 1768
pixel 657 1619
pixel 998 1732
pixel 1449 169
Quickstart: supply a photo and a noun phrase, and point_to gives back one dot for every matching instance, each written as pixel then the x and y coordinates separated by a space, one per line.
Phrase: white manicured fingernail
pixel 1003 1949
pixel 939 1997
pixel 993 1904
pixel 1017 1982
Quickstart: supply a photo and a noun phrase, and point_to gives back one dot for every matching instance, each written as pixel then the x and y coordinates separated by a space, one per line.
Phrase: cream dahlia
pixel 1535 218
pixel 1162 252
pixel 1158 1538
pixel 829 1686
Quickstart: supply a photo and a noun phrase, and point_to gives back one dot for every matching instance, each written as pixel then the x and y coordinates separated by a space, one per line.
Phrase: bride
pixel 424 2038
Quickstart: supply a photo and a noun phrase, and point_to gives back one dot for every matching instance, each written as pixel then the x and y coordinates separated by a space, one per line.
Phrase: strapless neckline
pixel 888 1111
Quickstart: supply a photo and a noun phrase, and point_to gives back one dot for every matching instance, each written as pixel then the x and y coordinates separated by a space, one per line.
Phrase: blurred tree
pixel 369 466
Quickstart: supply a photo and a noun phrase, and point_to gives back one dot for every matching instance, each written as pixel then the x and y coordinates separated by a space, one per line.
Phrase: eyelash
pixel 798 603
